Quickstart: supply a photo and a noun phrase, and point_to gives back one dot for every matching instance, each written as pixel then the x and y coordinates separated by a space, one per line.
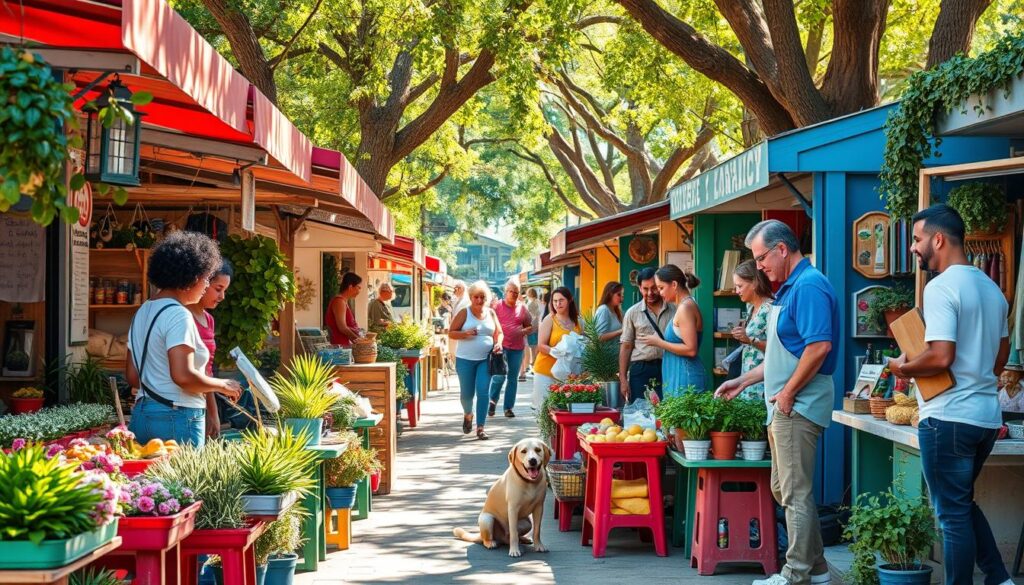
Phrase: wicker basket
pixel 567 479
pixel 364 349
pixel 878 406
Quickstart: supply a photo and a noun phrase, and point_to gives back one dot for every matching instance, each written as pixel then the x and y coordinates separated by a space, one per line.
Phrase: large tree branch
pixel 796 88
pixel 711 60
pixel 954 29
pixel 606 171
pixel 583 178
pixel 593 101
pixel 431 80
pixel 537 160
pixel 680 155
pixel 747 20
pixel 280 58
pixel 245 46
pixel 589 21
pixel 812 50
pixel 594 123
pixel 391 192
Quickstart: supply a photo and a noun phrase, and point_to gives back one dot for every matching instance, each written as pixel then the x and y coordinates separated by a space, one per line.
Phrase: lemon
pixel 615 429
pixel 635 429
pixel 607 421
pixel 649 436
pixel 600 439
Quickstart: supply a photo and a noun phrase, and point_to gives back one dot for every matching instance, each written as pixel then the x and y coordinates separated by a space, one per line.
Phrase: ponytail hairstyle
pixel 672 273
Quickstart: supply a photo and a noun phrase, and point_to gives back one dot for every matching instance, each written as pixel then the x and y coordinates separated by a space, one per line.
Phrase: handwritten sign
pixel 744 173
pixel 22 259
pixel 78 317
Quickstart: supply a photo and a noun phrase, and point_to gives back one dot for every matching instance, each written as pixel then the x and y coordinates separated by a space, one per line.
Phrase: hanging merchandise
pixel 102 231
pixel 143 232
pixel 209 224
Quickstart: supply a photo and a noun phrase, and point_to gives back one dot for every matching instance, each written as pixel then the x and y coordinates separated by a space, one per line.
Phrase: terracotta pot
pixel 26 405
pixel 364 351
pixel 723 445
pixel 679 435
pixel 878 406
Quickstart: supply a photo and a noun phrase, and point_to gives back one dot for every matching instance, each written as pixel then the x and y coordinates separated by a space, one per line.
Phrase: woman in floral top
pixel 753 288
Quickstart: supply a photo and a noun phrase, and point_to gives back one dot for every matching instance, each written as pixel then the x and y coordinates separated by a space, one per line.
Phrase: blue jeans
pixel 952 455
pixel 152 420
pixel 473 381
pixel 514 357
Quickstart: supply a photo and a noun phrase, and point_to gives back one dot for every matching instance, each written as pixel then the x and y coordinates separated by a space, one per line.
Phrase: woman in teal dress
pixel 681 369
pixel 753 288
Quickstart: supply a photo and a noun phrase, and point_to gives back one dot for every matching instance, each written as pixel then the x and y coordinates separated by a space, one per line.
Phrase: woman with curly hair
pixel 166 355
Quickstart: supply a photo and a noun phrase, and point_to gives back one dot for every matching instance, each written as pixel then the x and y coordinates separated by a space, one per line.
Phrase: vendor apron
pixel 814 401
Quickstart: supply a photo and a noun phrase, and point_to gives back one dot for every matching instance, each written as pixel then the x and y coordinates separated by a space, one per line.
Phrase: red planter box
pixel 157 532
pixel 134 467
pixel 26 405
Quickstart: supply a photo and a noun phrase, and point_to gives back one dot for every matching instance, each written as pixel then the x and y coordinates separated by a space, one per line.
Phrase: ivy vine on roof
pixel 911 127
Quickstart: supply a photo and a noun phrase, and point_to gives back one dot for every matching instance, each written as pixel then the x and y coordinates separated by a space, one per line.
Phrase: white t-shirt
pixel 174 327
pixel 964 306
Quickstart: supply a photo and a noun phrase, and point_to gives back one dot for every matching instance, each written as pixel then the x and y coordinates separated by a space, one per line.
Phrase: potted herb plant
pixel 900 529
pixel 277 469
pixel 343 473
pixel 305 394
pixel 889 304
pixel 55 512
pixel 284 538
pixel 752 416
pixel 725 438
pixel 981 205
pixel 671 412
pixel 600 359
pixel 27 399
pixel 213 474
pixel 697 418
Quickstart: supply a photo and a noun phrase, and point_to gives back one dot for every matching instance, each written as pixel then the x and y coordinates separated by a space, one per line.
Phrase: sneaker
pixel 509 414
pixel 490 409
pixel 775 579
pixel 822 579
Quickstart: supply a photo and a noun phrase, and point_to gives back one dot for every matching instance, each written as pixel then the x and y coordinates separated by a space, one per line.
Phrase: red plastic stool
pixel 739 496
pixel 237 557
pixel 565 444
pixel 598 519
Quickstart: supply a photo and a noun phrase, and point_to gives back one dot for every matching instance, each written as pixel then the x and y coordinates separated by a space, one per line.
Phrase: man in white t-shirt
pixel 966 332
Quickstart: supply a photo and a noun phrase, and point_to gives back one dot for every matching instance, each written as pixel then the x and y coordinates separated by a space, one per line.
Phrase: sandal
pixel 509 413
pixel 467 424
pixel 490 409
pixel 480 434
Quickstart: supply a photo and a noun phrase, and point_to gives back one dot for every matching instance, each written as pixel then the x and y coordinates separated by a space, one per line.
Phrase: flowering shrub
pixel 147 497
pixel 576 388
pixel 110 492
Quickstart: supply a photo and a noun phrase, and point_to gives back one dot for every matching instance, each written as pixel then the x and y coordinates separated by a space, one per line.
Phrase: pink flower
pixel 173 505
pixel 148 490
pixel 78 443
pixel 164 509
pixel 53 450
pixel 144 504
pixel 18 444
pixel 187 494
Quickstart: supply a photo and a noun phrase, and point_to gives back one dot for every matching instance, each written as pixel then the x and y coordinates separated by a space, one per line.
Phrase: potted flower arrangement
pixel 577 394
pixel 601 360
pixel 751 416
pixel 889 304
pixel 214 477
pixel 900 529
pixel 276 470
pixel 343 473
pixel 26 400
pixel 55 512
pixel 305 394
pixel 981 205
pixel 157 515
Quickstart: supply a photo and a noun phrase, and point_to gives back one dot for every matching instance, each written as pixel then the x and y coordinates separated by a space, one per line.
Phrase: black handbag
pixel 497 365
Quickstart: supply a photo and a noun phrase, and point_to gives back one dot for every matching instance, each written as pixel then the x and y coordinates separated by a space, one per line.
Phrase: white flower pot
pixel 582 407
pixel 696 450
pixel 753 450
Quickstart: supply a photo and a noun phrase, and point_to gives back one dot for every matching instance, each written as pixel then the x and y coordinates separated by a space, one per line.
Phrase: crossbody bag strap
pixel 654 324
pixel 140 363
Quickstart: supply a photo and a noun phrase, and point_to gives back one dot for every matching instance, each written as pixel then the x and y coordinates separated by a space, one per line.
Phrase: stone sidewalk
pixel 442 478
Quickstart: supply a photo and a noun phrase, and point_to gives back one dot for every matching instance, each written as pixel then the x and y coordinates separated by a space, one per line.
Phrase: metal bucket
pixel 612 396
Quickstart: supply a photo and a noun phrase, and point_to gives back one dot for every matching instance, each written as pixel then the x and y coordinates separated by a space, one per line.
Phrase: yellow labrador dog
pixel 516 496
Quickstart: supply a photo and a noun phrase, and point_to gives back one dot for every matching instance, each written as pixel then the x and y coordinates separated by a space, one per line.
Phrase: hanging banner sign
pixel 78 314
pixel 742 174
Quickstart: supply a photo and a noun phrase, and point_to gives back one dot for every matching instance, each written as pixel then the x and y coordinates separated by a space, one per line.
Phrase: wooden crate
pixel 377 383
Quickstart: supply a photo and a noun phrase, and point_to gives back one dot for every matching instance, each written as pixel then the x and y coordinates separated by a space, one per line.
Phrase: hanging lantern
pixel 112 153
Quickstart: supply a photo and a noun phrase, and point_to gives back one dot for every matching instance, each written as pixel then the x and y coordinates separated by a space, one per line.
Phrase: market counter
pixel 377 383
pixel 883 453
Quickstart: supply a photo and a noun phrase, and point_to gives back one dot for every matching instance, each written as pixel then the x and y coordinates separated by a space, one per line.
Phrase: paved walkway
pixel 442 478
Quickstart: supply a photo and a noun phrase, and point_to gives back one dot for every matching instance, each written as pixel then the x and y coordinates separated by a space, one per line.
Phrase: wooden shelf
pixel 112 307
pixel 725 293
pixel 32 378
pixel 720 372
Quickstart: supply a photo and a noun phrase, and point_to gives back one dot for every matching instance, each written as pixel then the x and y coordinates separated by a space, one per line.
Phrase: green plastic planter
pixel 312 426
pixel 50 554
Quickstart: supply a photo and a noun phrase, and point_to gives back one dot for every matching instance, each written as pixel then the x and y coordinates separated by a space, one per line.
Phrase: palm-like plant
pixel 600 358
pixel 304 389
pixel 276 463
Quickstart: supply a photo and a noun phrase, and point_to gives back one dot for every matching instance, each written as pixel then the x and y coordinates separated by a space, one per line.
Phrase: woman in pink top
pixel 517 324
pixel 219 283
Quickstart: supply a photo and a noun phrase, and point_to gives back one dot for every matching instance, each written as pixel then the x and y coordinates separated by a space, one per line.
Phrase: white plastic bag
pixel 361 407
pixel 568 354
pixel 639 413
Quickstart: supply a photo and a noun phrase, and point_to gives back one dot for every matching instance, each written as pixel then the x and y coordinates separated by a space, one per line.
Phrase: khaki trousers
pixel 794 444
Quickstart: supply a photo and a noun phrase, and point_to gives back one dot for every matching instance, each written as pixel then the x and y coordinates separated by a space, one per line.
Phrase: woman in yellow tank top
pixel 562 318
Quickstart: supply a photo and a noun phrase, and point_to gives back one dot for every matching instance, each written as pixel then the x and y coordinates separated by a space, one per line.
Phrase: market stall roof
pixel 545 263
pixel 404 251
pixel 593 233
pixel 999 112
pixel 196 91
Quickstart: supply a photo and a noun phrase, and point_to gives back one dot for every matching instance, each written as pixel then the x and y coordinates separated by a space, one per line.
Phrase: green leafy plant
pixel 213 473
pixel 282 536
pixel 261 285
pixel 898 527
pixel 694 412
pixel 728 415
pixel 545 424
pixel 342 413
pixel 270 360
pixel 274 463
pixel 53 422
pixel 304 389
pixel 87 382
pixel 404 334
pixel 43 498
pixel 600 358
pixel 911 127
pixel 387 354
pixel 981 205
pixel 751 415
pixel 895 298
pixel 351 466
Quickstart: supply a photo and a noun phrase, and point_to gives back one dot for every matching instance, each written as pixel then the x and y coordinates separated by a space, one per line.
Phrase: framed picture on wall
pixel 871 250
pixel 864 327
pixel 684 260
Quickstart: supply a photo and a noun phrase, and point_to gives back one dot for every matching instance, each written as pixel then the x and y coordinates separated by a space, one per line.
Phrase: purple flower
pixel 187 494
pixel 164 493
pixel 145 504
pixel 18 444
pixel 164 509
pixel 173 505
pixel 54 450
pixel 148 490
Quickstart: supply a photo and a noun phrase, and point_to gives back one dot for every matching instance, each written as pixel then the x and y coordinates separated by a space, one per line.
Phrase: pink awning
pixel 354 190
pixel 273 131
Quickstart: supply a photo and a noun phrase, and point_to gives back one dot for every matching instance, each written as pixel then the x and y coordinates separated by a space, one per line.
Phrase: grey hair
pixel 514 283
pixel 773 232
pixel 386 286
pixel 457 284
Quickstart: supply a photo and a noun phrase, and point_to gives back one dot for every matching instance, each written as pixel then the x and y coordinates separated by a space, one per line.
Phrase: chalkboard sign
pixel 22 259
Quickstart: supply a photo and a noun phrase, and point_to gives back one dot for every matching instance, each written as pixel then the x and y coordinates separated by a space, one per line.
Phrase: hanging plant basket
pixel 981 205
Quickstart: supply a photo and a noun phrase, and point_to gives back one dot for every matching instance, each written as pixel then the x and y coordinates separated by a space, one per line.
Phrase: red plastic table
pixel 598 519
pixel 234 546
pixel 150 546
pixel 566 445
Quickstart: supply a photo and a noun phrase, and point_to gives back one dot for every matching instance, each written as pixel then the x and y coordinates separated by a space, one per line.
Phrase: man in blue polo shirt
pixel 800 357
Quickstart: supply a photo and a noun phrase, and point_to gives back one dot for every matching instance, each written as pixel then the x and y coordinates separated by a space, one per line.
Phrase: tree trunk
pixel 851 81
pixel 245 46
pixel 954 29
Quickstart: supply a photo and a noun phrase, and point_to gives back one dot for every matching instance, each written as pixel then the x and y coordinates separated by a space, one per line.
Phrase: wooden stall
pixel 377 383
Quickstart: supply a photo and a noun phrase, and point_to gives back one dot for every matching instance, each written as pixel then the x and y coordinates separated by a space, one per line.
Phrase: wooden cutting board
pixel 909 333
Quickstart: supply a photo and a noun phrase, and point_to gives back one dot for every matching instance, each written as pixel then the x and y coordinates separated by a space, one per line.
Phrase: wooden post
pixel 286 228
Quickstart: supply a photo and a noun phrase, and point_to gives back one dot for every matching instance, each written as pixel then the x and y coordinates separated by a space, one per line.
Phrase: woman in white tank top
pixel 479 334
